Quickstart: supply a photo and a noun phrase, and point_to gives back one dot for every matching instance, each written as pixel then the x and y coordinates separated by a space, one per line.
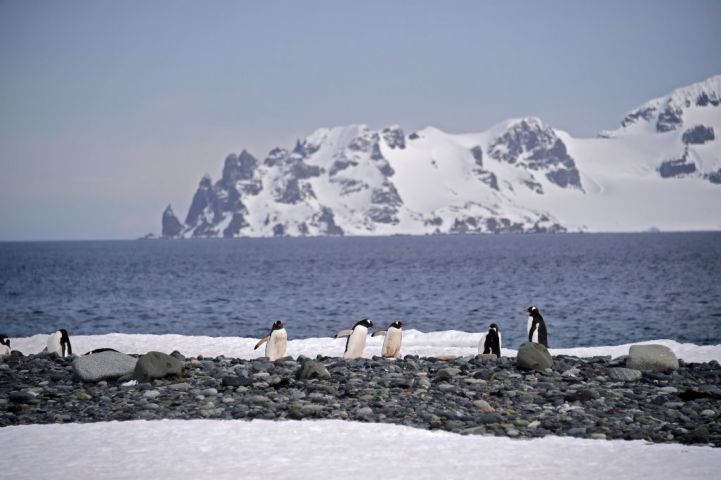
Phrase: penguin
pixel 392 342
pixel 536 327
pixel 4 345
pixel 491 341
pixel 276 342
pixel 356 338
pixel 59 342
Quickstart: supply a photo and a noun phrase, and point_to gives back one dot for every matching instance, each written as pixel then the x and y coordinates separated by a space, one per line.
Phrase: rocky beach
pixel 590 397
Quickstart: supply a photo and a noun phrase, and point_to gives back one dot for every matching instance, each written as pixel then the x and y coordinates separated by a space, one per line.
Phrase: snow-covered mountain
pixel 661 168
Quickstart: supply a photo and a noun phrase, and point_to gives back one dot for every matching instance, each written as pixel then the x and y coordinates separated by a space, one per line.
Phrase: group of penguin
pixel 58 342
pixel 276 341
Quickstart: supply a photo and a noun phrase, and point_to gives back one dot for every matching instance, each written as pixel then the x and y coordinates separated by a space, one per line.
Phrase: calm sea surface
pixel 593 289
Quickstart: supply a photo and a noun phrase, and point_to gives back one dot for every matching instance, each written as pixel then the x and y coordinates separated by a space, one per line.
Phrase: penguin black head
pixel 397 324
pixel 532 310
pixel 364 323
pixel 4 340
pixel 65 342
pixel 277 326
pixel 493 327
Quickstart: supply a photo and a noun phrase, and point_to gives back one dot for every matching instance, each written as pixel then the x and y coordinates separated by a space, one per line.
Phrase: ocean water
pixel 592 289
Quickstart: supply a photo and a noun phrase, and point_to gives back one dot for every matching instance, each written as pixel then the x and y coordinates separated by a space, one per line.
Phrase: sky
pixel 111 110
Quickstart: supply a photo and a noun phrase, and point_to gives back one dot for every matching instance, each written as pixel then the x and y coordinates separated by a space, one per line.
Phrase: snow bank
pixel 327 449
pixel 450 342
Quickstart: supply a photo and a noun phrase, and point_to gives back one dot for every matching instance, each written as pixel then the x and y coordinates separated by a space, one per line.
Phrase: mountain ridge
pixel 521 175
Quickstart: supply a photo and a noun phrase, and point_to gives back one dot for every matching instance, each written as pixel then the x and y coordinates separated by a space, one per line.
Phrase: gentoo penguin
pixel 356 338
pixel 392 342
pixel 536 327
pixel 491 341
pixel 277 341
pixel 4 345
pixel 59 342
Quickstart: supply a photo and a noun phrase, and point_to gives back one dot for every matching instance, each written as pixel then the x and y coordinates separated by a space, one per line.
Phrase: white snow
pixel 327 449
pixel 449 342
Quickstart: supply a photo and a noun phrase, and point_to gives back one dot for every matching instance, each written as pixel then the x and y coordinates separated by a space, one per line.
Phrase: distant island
pixel 519 176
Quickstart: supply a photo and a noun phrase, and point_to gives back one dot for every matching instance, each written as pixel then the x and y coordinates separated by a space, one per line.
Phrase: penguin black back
pixel 492 343
pixel 4 340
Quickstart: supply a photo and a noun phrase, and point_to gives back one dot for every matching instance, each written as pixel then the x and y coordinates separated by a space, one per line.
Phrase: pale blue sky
pixel 109 110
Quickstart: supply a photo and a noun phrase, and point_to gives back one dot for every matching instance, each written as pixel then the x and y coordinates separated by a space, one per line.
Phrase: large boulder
pixel 312 369
pixel 533 356
pixel 157 365
pixel 651 358
pixel 103 366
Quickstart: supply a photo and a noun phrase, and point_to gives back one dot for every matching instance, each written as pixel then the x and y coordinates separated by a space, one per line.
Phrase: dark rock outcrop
pixel 677 167
pixel 698 135
pixel 171 225
pixel 394 137
pixel 530 144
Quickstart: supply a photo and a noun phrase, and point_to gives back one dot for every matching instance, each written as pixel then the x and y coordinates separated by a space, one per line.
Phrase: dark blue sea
pixel 593 289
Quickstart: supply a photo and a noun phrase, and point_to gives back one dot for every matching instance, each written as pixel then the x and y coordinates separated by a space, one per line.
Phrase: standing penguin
pixel 356 338
pixel 392 342
pixel 536 327
pixel 4 345
pixel 491 341
pixel 277 341
pixel 59 342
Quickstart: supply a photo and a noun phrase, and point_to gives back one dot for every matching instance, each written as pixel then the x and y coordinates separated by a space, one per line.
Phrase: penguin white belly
pixel 500 341
pixel 482 343
pixel 54 344
pixel 534 334
pixel 277 343
pixel 529 326
pixel 356 342
pixel 392 343
pixel 4 350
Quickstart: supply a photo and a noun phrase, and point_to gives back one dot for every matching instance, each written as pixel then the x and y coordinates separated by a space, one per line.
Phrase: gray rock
pixel 677 167
pixel 651 358
pixel 533 356
pixel 621 374
pixel 154 365
pixel 447 373
pixel 21 397
pixel 698 135
pixel 103 366
pixel 180 387
pixel 487 356
pixel 312 369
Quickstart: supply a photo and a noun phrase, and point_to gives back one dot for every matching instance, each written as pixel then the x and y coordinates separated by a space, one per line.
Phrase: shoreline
pixel 467 395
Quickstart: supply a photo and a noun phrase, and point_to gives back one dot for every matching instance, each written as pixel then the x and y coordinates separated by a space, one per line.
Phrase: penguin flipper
pixel 261 342
pixel 344 333
pixel 378 333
